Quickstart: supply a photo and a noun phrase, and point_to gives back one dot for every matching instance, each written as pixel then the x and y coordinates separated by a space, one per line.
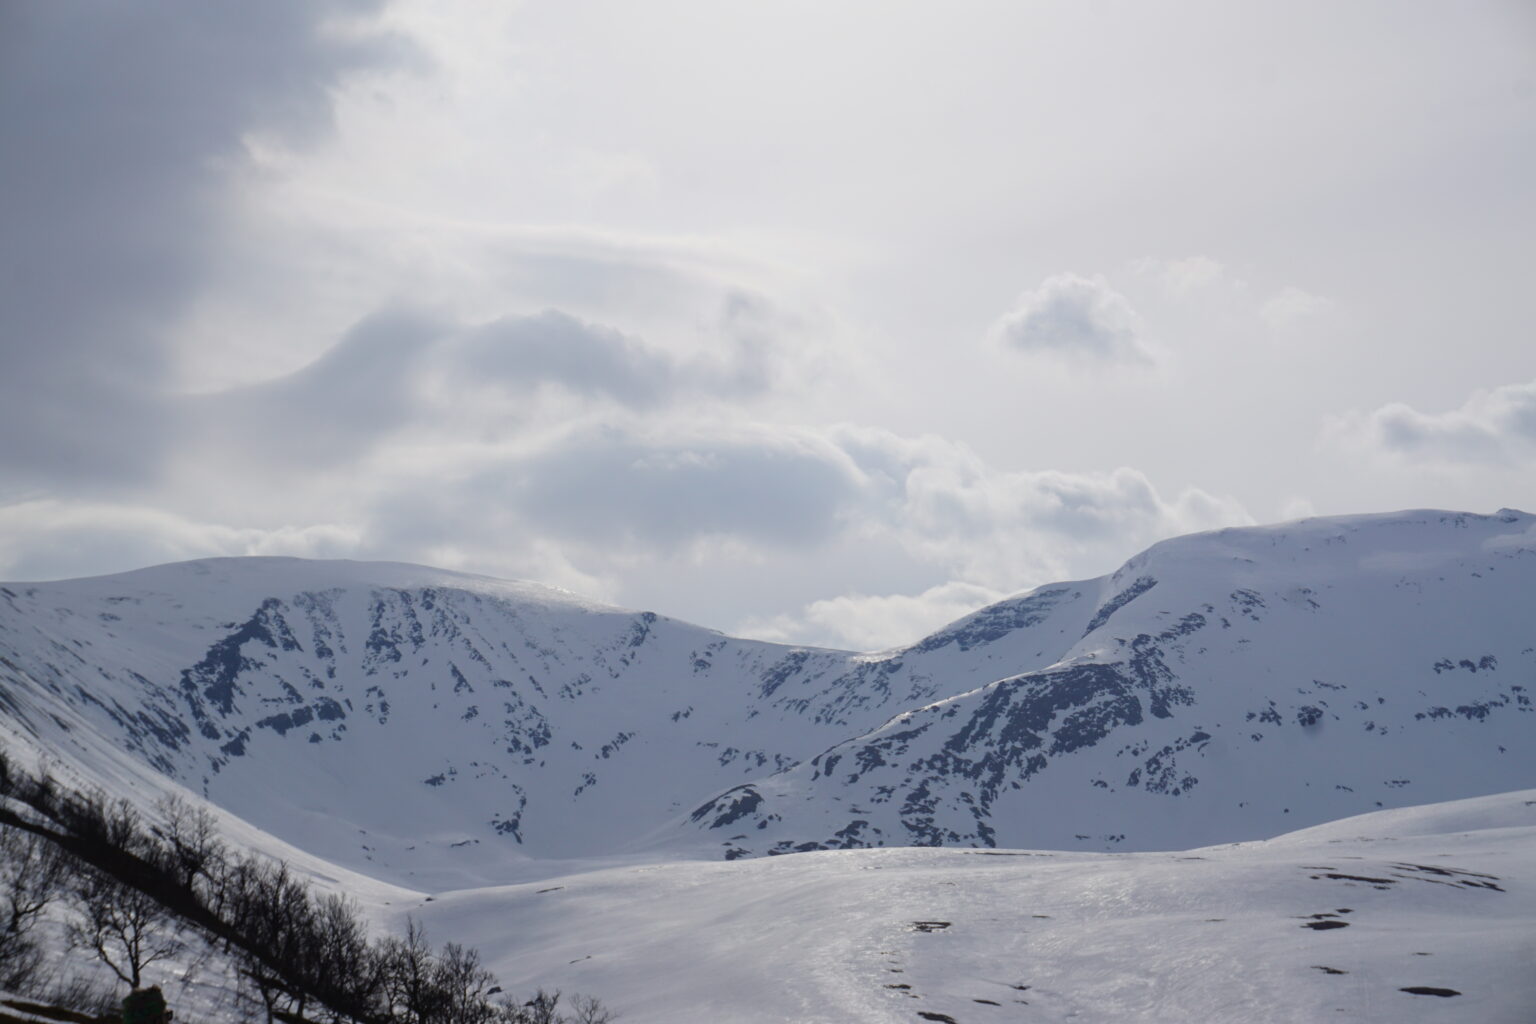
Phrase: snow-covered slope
pixel 1418 915
pixel 435 728
pixel 1228 685
pixel 427 726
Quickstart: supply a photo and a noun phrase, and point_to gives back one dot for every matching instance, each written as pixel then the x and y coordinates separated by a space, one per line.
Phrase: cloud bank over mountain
pixel 638 312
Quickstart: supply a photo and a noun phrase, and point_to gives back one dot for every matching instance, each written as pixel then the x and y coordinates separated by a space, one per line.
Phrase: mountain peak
pixel 268 575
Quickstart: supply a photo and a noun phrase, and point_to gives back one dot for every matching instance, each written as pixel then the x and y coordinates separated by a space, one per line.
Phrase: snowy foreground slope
pixel 1414 914
pixel 1330 923
pixel 435 729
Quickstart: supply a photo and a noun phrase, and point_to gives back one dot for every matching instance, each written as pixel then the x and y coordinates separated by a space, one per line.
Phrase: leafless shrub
pixel 32 874
pixel 126 929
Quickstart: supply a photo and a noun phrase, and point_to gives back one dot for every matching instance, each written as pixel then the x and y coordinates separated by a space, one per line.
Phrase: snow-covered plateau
pixel 587 793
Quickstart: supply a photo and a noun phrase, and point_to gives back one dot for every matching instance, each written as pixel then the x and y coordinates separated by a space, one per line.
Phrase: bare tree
pixel 341 964
pixel 544 1008
pixel 463 986
pixel 408 969
pixel 126 929
pixel 32 873
pixel 589 1010
pixel 142 891
pixel 541 1009
pixel 190 846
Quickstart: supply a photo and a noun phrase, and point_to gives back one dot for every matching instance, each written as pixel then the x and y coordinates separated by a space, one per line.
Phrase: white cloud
pixel 52 539
pixel 1182 277
pixel 988 532
pixel 1290 305
pixel 1075 317
pixel 872 623
pixel 1297 508
pixel 595 173
pixel 1013 529
pixel 1497 426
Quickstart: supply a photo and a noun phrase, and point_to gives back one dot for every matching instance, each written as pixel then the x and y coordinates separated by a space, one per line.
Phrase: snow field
pixel 1216 934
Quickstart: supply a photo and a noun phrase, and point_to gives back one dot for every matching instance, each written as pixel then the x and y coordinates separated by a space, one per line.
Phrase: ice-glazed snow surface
pixel 1331 923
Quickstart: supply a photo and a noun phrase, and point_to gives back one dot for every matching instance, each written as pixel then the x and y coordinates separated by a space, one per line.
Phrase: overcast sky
pixel 825 322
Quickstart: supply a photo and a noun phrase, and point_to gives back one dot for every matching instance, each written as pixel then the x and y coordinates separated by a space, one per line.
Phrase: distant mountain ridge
pixel 1231 683
pixel 429 726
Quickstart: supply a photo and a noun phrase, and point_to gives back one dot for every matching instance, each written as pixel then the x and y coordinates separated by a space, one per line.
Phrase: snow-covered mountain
pixel 434 728
pixel 1227 685
pixel 405 720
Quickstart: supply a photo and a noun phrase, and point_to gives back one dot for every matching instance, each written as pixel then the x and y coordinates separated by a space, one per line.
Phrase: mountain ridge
pixel 1133 673
pixel 432 727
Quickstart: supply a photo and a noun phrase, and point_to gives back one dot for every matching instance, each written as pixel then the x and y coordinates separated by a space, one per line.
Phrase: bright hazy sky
pixel 825 322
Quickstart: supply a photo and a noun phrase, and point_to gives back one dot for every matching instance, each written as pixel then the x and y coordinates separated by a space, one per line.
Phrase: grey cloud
pixel 615 493
pixel 1075 317
pixel 601 510
pixel 1493 426
pixel 523 351
pixel 1094 507
pixel 555 347
pixel 749 328
pixel 600 497
pixel 371 382
pixel 356 393
pixel 119 124
pixel 773 489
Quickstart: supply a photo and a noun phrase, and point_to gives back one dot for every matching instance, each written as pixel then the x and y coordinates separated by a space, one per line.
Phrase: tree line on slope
pixel 136 892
